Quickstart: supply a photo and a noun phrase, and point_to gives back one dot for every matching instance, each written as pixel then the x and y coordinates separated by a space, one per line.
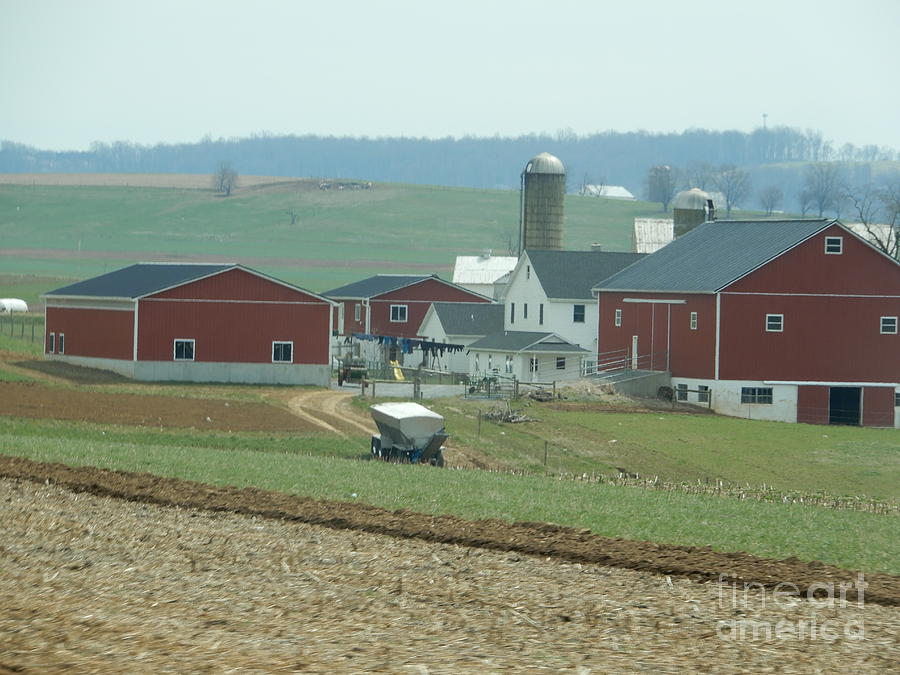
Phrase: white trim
pixel 695 320
pixel 654 301
pixel 617 320
pixel 234 302
pixel 780 328
pixel 840 245
pixel 881 326
pixel 815 383
pixel 134 345
pixel 283 342
pixel 405 318
pixel 52 347
pixel 193 342
pixel 718 332
pixel 61 343
pixel 814 295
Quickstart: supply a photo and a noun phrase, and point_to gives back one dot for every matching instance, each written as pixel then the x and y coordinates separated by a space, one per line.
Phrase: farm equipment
pixel 409 433
pixel 353 370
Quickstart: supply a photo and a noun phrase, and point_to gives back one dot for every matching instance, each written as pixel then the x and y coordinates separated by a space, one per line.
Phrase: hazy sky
pixel 163 71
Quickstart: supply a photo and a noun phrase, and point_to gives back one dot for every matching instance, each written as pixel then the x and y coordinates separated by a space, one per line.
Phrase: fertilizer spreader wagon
pixel 409 433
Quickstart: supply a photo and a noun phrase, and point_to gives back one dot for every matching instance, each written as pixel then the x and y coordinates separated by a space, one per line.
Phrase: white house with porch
pixel 526 356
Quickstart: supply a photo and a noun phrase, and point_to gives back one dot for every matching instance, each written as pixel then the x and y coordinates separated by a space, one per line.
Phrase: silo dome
pixel 542 203
pixel 694 199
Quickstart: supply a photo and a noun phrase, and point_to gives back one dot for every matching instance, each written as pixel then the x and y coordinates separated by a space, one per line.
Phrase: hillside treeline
pixel 608 158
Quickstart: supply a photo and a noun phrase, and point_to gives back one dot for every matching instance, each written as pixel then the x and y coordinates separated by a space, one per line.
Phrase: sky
pixel 72 73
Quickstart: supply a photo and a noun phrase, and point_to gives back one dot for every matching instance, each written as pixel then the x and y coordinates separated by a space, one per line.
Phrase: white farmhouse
pixel 460 323
pixel 550 292
pixel 526 356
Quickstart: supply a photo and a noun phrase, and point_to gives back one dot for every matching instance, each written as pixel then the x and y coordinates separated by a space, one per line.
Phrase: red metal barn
pixel 192 322
pixel 784 320
pixel 394 305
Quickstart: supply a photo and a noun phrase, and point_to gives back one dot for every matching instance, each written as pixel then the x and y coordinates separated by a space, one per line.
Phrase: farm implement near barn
pixel 409 433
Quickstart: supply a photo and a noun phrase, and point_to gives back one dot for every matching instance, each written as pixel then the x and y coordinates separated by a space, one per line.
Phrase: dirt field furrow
pixel 96 584
pixel 541 539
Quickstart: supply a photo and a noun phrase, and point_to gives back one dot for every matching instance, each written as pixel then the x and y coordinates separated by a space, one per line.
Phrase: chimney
pixel 710 210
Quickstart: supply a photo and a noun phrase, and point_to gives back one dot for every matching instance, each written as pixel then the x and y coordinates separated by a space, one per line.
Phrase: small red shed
pixel 789 320
pixel 192 322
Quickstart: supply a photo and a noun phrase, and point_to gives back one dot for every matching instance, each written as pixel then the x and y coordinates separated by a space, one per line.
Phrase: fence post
pixel 554 390
pixel 545 453
pixel 479 423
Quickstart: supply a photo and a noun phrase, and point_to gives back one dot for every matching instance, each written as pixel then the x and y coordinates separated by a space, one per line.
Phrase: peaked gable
pixel 570 275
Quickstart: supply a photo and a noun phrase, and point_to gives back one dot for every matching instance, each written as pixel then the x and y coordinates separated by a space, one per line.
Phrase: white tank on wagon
pixel 10 305
pixel 409 432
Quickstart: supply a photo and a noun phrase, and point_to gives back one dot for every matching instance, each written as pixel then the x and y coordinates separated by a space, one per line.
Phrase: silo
pixel 690 208
pixel 542 202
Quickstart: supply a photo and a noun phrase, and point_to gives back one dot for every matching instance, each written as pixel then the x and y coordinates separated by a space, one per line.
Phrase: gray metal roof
pixel 525 341
pixel 713 255
pixel 571 275
pixel 545 163
pixel 469 318
pixel 139 280
pixel 377 285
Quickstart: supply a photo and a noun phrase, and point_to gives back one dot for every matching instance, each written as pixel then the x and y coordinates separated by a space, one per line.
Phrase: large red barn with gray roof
pixel 192 322
pixel 789 320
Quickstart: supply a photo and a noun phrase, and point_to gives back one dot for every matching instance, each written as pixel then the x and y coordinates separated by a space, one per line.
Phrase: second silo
pixel 542 203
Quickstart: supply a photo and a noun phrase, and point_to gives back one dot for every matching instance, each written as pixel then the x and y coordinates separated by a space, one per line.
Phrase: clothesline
pixel 408 345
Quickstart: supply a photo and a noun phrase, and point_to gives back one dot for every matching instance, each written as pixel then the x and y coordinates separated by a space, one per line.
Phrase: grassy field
pixel 687 447
pixel 67 232
pixel 846 538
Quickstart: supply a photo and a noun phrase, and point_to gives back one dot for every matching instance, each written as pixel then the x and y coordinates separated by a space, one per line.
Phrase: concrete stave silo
pixel 542 204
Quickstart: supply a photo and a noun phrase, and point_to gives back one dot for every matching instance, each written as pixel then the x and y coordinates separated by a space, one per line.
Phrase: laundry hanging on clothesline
pixel 408 345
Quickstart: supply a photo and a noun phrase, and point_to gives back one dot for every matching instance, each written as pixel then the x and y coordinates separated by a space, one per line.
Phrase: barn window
pixel 618 317
pixel 541 314
pixel 560 362
pixel 51 343
pixel 398 313
pixel 61 345
pixel 774 323
pixel 184 350
pixel 834 245
pixel 693 320
pixel 357 312
pixel 888 327
pixel 756 395
pixel 283 352
pixel 703 395
pixel 681 392
pixel 578 313
pixel 897 399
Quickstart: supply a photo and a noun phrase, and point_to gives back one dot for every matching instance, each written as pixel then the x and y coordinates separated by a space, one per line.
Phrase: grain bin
pixel 542 202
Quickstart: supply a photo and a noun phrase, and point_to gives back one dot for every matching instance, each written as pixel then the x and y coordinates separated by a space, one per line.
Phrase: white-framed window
pixel 703 393
pixel 560 362
pixel 490 362
pixel 184 349
pixel 525 310
pixel 888 326
pixel 618 318
pixel 282 352
pixel 357 312
pixel 541 314
pixel 774 323
pixel 51 343
pixel 681 392
pixel 509 365
pixel 761 395
pixel 834 245
pixel 399 313
pixel 61 343
pixel 533 364
pixel 897 399
pixel 527 271
pixel 578 313
pixel 693 320
pixel 512 312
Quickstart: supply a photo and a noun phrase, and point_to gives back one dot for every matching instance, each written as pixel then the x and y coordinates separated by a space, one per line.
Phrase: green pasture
pixel 297 466
pixel 349 233
pixel 686 447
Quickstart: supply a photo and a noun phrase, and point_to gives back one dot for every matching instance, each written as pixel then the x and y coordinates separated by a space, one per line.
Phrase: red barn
pixel 793 320
pixel 393 304
pixel 192 322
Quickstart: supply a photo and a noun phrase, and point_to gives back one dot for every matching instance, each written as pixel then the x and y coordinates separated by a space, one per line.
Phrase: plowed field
pixel 125 572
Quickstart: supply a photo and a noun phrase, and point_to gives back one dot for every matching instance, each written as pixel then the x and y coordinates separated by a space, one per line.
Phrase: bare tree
pixel 878 210
pixel 820 181
pixel 699 175
pixel 661 183
pixel 734 184
pixel 510 236
pixel 770 198
pixel 225 179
